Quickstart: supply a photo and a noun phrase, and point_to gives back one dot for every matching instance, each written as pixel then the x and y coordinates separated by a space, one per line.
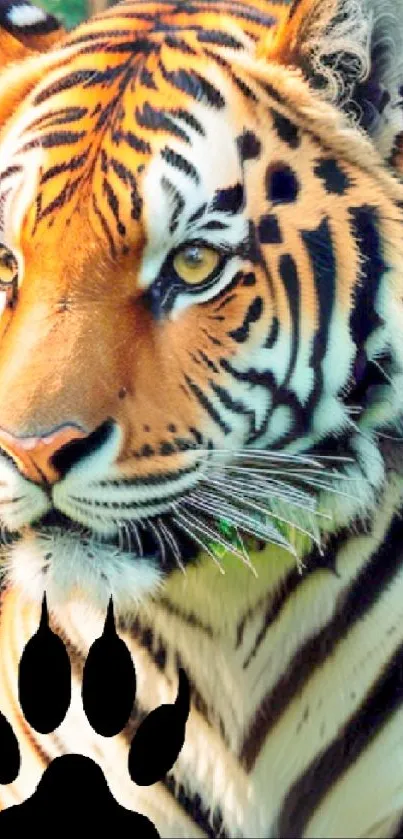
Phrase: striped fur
pixel 137 412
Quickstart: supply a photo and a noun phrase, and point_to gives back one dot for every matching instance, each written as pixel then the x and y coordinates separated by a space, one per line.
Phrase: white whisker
pixel 267 512
pixel 256 489
pixel 172 542
pixel 178 519
pixel 135 532
pixel 239 518
pixel 214 535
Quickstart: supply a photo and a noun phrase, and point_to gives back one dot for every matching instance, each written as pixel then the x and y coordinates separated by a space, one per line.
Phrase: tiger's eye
pixel 8 278
pixel 194 263
pixel 8 266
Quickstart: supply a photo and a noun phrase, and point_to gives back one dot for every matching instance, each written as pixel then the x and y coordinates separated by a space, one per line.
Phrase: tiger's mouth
pixel 257 499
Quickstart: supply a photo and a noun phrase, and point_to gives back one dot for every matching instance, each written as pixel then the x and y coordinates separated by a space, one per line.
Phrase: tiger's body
pixel 202 208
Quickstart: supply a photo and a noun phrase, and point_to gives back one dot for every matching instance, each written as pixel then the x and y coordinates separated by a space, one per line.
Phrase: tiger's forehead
pixel 120 142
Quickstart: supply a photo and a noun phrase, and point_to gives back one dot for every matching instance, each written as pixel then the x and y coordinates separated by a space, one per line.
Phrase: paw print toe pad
pixel 44 681
pixel 109 681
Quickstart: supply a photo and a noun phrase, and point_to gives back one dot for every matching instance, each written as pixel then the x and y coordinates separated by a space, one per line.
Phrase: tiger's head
pixel 200 337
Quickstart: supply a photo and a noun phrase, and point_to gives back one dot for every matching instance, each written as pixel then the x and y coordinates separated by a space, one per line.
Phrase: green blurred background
pixel 71 12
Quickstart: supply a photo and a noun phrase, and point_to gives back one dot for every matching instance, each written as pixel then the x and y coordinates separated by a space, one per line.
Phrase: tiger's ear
pixel 25 29
pixel 351 52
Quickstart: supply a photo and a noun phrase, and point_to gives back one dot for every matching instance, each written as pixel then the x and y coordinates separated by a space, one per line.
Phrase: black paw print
pixel 73 788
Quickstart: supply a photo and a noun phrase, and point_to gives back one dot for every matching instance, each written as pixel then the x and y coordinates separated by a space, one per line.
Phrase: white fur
pixel 66 568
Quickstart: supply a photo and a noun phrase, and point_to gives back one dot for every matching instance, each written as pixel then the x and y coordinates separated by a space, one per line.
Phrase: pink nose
pixel 33 456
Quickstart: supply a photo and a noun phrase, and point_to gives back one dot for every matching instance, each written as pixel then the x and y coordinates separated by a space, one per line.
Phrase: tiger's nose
pixel 40 459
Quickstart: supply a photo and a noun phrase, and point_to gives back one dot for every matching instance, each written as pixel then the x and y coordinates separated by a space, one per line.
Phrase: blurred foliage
pixel 70 12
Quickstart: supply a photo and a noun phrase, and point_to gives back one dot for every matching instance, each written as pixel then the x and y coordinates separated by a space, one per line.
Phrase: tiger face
pixel 202 304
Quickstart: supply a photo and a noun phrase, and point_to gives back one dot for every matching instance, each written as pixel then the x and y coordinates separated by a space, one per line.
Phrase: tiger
pixel 201 397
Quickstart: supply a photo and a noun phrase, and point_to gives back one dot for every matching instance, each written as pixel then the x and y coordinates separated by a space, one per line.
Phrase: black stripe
pixel 305 796
pixel 214 225
pixel 251 376
pixel 104 225
pixel 75 79
pixel 179 162
pixel 319 245
pixel 208 362
pixel 127 177
pixel 219 38
pixel 113 204
pixel 144 636
pixel 59 116
pixel 149 117
pixel 228 402
pixel 212 338
pixel 209 713
pixel 146 79
pixel 54 139
pixel 95 36
pixel 107 76
pixel 254 378
pixel 196 809
pixel 242 86
pixel 155 647
pixel 225 302
pixel 11 170
pixel 364 318
pixel 289 276
pixel 128 505
pixel 69 166
pixel 105 114
pixel 188 119
pixel 176 43
pixel 207 405
pixel 133 46
pixel 369 585
pixel 63 197
pixel 287 131
pixel 196 215
pixel 149 480
pixel 188 618
pixel 253 314
pixel 194 85
pixel 271 91
pixel 177 200
pixel 230 199
pixel 315 561
pixel 273 333
pixel 132 140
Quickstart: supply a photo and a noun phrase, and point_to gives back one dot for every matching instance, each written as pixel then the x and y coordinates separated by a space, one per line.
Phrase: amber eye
pixel 8 267
pixel 8 278
pixel 195 263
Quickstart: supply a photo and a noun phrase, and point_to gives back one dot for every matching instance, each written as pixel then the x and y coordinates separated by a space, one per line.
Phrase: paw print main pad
pixel 74 783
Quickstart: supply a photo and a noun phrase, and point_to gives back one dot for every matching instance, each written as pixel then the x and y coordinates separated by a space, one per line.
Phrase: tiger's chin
pixel 69 567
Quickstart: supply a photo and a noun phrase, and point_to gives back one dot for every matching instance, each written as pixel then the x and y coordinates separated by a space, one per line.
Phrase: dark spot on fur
pixel 249 146
pixel 281 184
pixel 286 130
pixel 229 200
pixel 334 179
pixel 268 231
pixel 147 451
